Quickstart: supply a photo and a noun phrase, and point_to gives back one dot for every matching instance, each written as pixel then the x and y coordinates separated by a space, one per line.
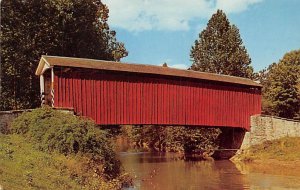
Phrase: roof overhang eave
pixel 43 66
pixel 47 62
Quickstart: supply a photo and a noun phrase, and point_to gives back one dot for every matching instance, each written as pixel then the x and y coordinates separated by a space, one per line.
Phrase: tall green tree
pixel 31 28
pixel 220 49
pixel 281 92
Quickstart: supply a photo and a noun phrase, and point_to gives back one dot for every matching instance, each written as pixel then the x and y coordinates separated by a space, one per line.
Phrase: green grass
pixel 22 166
pixel 53 131
pixel 284 149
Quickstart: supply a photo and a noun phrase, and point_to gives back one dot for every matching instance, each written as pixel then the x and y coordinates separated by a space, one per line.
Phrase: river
pixel 165 171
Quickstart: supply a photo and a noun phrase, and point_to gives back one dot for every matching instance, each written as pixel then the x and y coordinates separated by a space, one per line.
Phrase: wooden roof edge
pixel 51 61
pixel 42 66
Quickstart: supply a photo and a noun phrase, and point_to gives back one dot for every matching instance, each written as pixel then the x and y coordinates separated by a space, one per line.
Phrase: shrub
pixel 190 139
pixel 24 167
pixel 185 139
pixel 53 130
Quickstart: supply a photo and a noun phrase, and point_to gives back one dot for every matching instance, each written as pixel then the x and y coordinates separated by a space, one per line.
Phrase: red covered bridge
pixel 115 93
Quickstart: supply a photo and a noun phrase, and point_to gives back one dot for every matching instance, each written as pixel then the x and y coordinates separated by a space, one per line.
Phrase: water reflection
pixel 166 171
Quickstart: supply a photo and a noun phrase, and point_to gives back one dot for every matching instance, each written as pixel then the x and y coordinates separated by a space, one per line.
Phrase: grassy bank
pixel 24 167
pixel 286 149
pixel 48 149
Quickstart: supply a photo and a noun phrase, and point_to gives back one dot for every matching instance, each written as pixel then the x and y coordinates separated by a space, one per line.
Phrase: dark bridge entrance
pixel 114 93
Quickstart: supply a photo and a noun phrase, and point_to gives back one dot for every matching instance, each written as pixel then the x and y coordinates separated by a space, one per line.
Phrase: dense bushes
pixel 176 138
pixel 191 139
pixel 53 130
pixel 24 167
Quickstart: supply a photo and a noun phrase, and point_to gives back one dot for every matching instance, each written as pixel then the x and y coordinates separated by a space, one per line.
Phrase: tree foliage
pixel 29 29
pixel 220 49
pixel 281 82
pixel 185 139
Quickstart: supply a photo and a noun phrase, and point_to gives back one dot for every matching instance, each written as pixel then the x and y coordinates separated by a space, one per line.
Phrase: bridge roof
pixel 52 61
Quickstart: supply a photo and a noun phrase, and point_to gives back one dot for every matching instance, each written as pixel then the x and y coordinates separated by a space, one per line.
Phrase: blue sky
pixel 158 31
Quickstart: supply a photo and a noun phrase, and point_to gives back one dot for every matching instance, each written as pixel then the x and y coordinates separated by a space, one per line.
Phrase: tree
pixel 29 29
pixel 281 93
pixel 164 64
pixel 220 49
pixel 183 139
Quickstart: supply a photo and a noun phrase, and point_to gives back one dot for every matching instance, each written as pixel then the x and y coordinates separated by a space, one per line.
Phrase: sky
pixel 158 31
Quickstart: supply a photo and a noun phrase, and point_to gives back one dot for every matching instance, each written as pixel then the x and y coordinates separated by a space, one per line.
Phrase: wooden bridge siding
pixel 120 98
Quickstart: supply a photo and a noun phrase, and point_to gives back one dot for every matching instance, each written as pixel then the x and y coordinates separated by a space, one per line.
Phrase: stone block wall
pixel 6 117
pixel 264 128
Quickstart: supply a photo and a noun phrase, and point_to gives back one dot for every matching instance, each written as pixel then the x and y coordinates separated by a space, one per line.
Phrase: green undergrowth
pixel 284 149
pixel 53 130
pixel 49 149
pixel 22 166
pixel 183 139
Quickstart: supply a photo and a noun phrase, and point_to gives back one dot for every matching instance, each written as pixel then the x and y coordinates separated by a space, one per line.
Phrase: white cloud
pixel 235 6
pixel 140 15
pixel 178 66
pixel 172 65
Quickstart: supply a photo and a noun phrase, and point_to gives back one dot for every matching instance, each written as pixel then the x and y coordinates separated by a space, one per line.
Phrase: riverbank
pixel 50 149
pixel 284 153
pixel 25 167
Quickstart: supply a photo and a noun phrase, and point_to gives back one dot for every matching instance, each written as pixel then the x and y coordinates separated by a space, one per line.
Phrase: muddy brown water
pixel 165 171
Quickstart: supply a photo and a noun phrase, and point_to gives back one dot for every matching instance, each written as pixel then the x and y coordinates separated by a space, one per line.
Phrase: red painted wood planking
pixel 120 98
